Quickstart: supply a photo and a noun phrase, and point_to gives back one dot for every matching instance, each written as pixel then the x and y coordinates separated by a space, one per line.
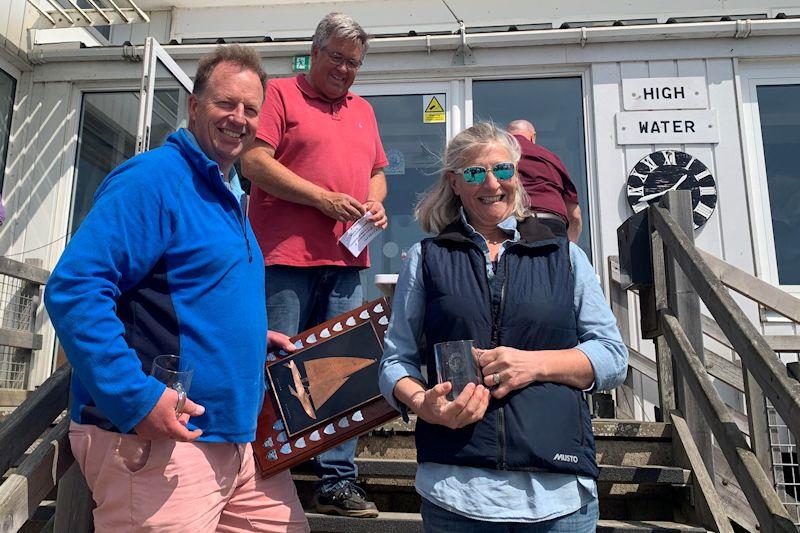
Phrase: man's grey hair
pixel 342 26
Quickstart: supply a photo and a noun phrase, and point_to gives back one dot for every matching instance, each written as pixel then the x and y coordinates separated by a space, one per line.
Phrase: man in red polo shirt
pixel 318 166
pixel 553 196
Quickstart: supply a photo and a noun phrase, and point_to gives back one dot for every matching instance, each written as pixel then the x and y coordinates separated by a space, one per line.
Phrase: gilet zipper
pixel 494 343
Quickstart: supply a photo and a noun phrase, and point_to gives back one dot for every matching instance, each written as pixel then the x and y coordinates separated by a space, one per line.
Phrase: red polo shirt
pixel 332 144
pixel 545 179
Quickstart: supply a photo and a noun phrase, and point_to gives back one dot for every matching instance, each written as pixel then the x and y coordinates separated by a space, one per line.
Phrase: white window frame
pixel 452 90
pixel 153 54
pixel 10 69
pixel 751 77
pixel 14 73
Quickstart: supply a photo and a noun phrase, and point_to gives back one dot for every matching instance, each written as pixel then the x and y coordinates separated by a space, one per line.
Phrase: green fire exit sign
pixel 301 63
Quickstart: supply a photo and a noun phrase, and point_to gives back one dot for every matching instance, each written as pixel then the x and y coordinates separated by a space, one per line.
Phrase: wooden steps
pixel 637 477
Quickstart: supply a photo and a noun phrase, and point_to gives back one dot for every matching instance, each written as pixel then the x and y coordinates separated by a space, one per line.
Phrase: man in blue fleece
pixel 166 263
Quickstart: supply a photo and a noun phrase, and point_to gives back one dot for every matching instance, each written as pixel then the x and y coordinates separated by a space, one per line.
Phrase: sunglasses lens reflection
pixel 474 175
pixel 503 171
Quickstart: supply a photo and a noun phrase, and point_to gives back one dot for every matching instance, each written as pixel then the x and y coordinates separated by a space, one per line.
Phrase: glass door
pixel 117 124
pixel 164 96
pixel 555 107
pixel 414 123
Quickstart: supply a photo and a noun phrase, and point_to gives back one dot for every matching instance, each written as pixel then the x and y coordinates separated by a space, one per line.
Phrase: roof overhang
pixel 736 29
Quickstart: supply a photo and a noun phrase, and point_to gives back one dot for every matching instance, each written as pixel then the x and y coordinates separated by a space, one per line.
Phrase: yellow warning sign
pixel 434 106
pixel 433 110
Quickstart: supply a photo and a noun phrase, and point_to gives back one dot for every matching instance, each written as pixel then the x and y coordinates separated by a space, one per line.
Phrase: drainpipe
pixel 463 55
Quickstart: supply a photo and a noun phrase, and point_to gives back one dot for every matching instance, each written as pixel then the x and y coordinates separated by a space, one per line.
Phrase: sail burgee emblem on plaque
pixel 320 382
pixel 323 378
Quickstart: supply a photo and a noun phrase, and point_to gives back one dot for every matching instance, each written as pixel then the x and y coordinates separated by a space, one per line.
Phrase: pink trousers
pixel 168 486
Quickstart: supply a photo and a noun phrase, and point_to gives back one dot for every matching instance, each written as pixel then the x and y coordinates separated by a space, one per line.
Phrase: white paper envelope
pixel 359 235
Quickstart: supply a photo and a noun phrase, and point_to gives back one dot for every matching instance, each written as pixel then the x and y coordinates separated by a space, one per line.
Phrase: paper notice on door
pixel 359 235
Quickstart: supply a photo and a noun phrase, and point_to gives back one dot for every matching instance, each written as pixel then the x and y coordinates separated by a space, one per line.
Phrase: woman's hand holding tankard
pixel 433 407
pixel 507 369
pixel 466 409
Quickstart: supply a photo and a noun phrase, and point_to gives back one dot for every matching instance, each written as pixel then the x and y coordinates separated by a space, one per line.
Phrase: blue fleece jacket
pixel 165 262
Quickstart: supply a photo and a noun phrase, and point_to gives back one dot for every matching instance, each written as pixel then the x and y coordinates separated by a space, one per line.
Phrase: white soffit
pixel 53 14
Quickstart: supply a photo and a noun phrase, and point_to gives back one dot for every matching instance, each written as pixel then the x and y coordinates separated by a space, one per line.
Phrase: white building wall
pixel 37 187
pixel 14 18
pixel 159 27
pixel 727 234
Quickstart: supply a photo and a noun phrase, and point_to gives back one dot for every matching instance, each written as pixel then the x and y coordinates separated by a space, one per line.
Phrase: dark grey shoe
pixel 345 499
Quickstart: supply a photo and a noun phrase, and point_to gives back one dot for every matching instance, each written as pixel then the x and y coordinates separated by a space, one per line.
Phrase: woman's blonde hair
pixel 438 206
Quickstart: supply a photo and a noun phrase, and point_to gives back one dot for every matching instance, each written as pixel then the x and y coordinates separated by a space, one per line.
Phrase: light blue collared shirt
pixel 232 182
pixel 502 495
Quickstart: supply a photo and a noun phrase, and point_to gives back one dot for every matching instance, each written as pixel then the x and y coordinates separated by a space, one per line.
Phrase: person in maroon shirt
pixel 553 196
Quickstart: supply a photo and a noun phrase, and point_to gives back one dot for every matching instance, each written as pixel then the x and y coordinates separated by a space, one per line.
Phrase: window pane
pixel 555 106
pixel 7 84
pixel 779 109
pixel 413 148
pixel 170 107
pixel 107 138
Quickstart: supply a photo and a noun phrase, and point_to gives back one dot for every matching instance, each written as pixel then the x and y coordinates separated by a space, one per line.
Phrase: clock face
pixel 667 170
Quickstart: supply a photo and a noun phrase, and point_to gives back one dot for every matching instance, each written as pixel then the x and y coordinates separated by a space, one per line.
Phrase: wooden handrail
pixel 756 354
pixel 751 477
pixel 754 288
pixel 20 339
pixel 25 271
pixel 32 417
pixel 729 372
pixel 707 500
pixel 35 477
pixel 783 343
pixel 778 343
pixel 682 276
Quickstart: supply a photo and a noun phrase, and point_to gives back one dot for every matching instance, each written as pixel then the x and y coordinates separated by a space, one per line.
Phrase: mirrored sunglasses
pixel 475 175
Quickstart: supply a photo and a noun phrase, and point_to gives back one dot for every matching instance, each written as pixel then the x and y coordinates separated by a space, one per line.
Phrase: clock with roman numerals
pixel 667 170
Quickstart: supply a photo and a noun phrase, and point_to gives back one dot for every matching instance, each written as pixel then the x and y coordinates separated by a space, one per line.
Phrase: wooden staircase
pixel 654 476
pixel 641 486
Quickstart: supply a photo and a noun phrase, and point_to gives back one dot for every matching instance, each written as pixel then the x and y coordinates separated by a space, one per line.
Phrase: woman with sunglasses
pixel 515 452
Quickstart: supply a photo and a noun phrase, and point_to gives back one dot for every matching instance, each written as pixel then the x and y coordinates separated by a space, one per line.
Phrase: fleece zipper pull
pixel 241 214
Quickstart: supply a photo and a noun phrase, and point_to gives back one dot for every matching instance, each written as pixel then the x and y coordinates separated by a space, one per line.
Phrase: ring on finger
pixel 496 378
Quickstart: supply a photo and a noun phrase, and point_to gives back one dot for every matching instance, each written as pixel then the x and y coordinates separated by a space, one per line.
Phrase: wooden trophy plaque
pixel 325 392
